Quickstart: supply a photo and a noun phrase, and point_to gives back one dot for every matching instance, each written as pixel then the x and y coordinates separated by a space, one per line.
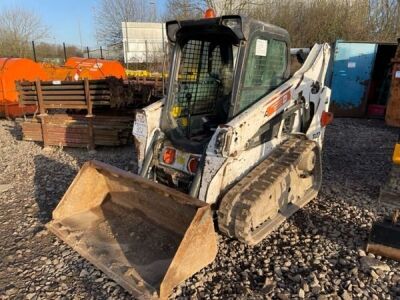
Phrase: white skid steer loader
pixel 235 144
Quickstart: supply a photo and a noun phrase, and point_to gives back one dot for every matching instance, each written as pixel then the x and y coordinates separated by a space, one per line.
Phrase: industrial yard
pixel 319 253
pixel 197 149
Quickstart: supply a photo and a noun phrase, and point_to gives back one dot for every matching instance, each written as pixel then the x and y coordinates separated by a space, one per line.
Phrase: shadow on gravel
pixel 347 234
pixel 15 130
pixel 51 179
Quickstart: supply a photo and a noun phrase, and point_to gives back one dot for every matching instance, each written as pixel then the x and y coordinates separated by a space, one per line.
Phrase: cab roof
pixel 238 27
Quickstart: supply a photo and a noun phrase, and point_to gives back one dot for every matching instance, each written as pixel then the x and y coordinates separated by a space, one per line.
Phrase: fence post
pixel 89 116
pixel 87 51
pixel 34 51
pixel 126 45
pixel 147 58
pixel 42 112
pixel 101 52
pixel 65 53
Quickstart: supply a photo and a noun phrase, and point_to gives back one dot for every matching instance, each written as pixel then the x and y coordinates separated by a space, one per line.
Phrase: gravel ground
pixel 316 254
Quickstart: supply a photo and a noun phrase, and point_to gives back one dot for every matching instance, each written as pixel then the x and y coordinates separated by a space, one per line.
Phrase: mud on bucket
pixel 145 236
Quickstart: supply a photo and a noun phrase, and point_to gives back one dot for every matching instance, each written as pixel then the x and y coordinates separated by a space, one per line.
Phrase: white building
pixel 143 42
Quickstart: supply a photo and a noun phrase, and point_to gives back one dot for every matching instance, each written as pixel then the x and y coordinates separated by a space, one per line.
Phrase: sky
pixel 65 17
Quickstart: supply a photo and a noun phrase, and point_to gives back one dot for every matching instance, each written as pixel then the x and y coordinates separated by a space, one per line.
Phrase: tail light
pixel 169 156
pixel 326 118
pixel 193 164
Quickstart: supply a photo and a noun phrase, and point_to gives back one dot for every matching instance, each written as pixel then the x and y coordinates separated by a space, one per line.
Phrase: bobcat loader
pixel 235 144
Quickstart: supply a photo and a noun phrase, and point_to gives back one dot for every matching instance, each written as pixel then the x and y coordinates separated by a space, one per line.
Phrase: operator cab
pixel 204 85
pixel 206 88
pixel 220 67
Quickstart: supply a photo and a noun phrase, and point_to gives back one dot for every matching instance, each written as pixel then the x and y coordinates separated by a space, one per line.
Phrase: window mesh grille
pixel 198 82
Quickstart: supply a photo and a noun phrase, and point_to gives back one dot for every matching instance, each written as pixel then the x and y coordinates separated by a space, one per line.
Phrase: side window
pixel 265 70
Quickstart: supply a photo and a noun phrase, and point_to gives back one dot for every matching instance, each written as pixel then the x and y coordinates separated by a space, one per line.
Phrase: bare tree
pixel 228 7
pixel 49 52
pixel 190 9
pixel 385 18
pixel 18 27
pixel 308 21
pixel 109 14
pixel 184 9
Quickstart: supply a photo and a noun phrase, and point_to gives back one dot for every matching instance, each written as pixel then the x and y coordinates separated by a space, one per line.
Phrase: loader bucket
pixel 145 236
pixel 384 239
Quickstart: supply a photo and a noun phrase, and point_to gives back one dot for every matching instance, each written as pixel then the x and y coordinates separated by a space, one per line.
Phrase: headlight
pixel 235 24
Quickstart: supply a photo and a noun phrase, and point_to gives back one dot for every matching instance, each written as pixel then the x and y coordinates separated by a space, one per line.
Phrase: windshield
pixel 204 85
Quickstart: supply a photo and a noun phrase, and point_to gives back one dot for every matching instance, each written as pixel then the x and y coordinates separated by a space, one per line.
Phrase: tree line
pixel 308 21
pixel 19 27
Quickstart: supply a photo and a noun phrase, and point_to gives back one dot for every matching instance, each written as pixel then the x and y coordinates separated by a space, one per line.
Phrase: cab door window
pixel 265 70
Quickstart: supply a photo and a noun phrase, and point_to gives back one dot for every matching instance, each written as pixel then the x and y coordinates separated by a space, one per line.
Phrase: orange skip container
pixel 93 68
pixel 12 70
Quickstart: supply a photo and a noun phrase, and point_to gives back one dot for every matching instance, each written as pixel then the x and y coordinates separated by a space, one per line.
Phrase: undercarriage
pixel 286 181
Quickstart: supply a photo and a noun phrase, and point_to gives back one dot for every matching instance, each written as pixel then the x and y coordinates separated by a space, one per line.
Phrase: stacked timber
pixel 85 113
pixel 110 92
pixel 74 130
pixel 393 107
pixel 153 85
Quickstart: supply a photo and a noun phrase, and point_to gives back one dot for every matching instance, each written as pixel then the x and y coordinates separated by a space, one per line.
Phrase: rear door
pixel 352 68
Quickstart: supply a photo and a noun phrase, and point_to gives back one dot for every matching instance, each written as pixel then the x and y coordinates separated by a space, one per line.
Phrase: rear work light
pixel 169 156
pixel 193 164
pixel 326 118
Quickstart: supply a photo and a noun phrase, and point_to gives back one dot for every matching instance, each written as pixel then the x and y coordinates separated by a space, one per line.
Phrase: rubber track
pixel 234 216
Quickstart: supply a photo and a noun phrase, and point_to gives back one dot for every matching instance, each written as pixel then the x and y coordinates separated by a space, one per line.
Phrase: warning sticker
pixel 261 47
pixel 351 64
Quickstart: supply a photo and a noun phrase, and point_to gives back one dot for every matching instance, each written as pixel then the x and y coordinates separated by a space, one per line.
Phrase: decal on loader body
pixel 278 103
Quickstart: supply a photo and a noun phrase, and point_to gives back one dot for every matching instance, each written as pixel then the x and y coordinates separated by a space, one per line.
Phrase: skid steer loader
pixel 236 144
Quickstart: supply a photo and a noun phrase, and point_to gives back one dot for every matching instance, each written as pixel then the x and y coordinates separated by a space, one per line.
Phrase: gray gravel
pixel 317 254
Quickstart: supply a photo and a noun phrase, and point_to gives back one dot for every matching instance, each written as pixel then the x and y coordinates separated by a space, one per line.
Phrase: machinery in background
pixel 78 68
pixel 12 70
pixel 236 142
pixel 384 238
